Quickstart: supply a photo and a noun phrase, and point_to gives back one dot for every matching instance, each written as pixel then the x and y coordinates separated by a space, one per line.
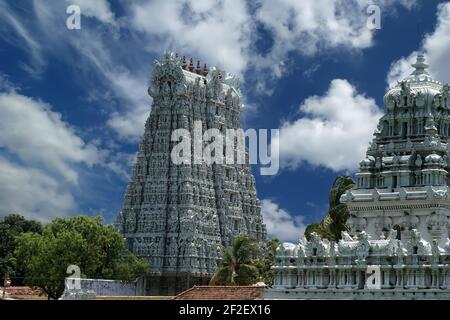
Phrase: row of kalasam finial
pixel 198 69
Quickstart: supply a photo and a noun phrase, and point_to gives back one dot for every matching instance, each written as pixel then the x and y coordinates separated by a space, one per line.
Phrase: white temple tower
pixel 403 184
pixel 399 210
pixel 175 215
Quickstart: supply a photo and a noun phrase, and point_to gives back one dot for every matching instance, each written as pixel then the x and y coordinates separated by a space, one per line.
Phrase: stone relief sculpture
pixel 185 209
pixel 399 210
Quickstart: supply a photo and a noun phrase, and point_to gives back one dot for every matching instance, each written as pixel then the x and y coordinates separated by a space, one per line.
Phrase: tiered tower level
pixel 402 184
pixel 399 209
pixel 175 215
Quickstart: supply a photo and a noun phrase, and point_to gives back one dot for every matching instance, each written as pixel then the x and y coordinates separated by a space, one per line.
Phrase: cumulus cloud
pixel 435 48
pixel 219 32
pixel 113 55
pixel 38 136
pixel 400 69
pixel 334 131
pixel 107 62
pixel 130 125
pixel 32 192
pixel 225 32
pixel 309 27
pixel 39 157
pixel 280 223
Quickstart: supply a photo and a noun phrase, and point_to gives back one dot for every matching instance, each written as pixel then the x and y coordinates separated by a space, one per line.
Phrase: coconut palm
pixel 238 263
pixel 334 222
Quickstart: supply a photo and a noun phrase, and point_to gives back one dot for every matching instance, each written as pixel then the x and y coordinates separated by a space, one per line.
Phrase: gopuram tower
pixel 175 215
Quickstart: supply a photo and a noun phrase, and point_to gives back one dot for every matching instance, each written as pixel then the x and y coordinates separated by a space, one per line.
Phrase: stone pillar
pixel 399 280
pixel 294 278
pixel 320 279
pixel 408 278
pixel 331 282
pixel 444 278
pixel 414 278
pixel 346 278
pixel 313 278
pixel 306 279
pixel 281 278
pixel 435 278
pixel 342 280
pixel 421 276
pixel 386 274
pixel 334 284
pixel 338 278
pixel 303 277
pixel 349 278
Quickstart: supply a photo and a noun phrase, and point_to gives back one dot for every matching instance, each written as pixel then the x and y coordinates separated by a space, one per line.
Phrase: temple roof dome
pixel 419 87
pixel 365 162
pixel 433 158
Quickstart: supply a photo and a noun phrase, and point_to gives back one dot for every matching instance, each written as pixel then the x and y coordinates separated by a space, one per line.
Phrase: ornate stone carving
pixel 406 192
pixel 184 211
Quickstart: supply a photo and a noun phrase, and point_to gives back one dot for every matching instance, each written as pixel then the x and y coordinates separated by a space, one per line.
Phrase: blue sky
pixel 73 102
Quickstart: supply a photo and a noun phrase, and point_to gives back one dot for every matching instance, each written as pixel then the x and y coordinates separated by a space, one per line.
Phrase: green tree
pixel 265 263
pixel 96 248
pixel 238 263
pixel 12 226
pixel 334 221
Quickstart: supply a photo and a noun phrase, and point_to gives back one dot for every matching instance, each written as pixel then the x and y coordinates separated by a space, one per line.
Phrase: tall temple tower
pixel 403 182
pixel 175 215
pixel 397 244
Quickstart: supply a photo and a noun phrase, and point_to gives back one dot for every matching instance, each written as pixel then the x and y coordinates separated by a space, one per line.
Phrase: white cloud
pixel 113 55
pixel 43 159
pixel 400 69
pixel 130 88
pixel 6 85
pixel 106 62
pixel 15 31
pixel 280 224
pixel 309 27
pixel 38 136
pixel 219 32
pixel 130 125
pixel 32 192
pixel 334 131
pixel 434 46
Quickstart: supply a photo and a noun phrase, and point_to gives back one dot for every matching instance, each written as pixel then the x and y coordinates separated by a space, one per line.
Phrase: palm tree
pixel 334 222
pixel 238 263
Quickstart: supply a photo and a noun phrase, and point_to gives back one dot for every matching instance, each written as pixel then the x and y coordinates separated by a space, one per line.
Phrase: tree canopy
pixel 97 249
pixel 238 263
pixel 12 226
pixel 264 264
